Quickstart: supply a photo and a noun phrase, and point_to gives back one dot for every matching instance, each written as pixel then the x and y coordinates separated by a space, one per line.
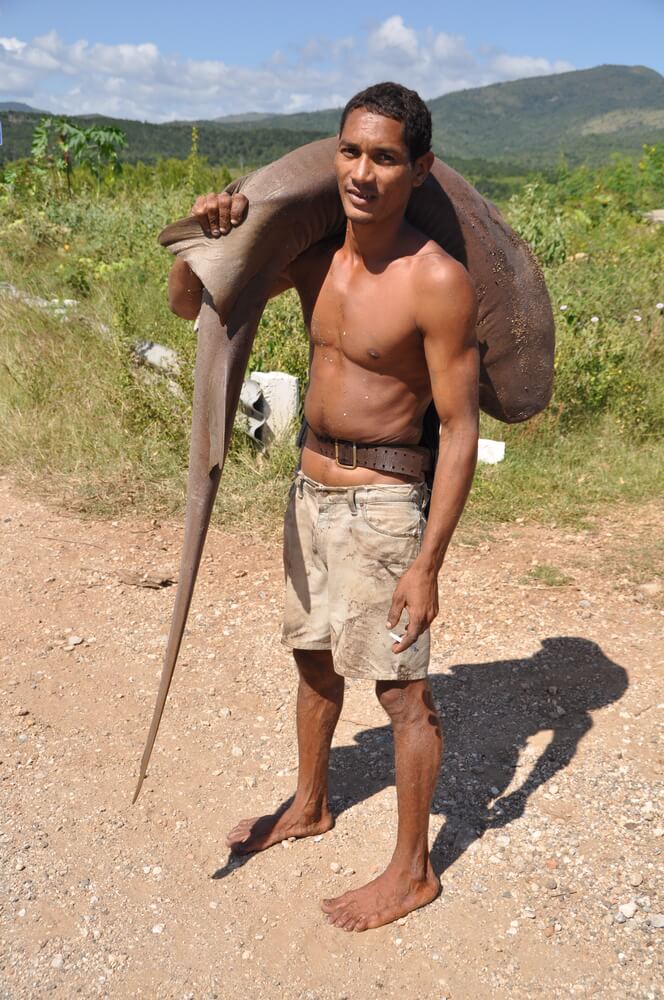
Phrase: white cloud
pixel 139 81
pixel 392 37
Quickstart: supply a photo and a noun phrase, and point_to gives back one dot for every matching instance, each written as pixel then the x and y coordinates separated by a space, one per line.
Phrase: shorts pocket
pixel 398 519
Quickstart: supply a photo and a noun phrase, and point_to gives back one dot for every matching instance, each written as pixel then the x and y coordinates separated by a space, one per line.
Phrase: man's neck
pixel 372 244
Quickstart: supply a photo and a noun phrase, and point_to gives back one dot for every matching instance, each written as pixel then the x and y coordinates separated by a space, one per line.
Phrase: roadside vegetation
pixel 86 424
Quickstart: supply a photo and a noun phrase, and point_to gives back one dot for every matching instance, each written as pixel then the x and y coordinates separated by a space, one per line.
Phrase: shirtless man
pixel 391 318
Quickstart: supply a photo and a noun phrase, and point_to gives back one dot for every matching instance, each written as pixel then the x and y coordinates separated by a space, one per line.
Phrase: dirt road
pixel 546 822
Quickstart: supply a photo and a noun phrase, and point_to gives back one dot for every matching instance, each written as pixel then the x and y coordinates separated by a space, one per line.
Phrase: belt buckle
pixel 343 465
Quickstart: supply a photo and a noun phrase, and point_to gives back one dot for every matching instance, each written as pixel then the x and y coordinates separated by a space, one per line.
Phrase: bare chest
pixel 370 323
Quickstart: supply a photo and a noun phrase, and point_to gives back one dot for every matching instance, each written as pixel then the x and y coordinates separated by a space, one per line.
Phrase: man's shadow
pixel 489 712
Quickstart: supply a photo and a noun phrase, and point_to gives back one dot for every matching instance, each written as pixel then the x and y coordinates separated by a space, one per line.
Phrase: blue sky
pixel 124 58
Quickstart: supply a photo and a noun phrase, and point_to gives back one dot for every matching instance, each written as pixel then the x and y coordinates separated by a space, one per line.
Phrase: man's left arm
pixel 447 313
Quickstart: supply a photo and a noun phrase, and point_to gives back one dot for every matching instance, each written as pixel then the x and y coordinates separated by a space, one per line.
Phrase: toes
pixel 331 904
pixel 361 924
pixel 344 920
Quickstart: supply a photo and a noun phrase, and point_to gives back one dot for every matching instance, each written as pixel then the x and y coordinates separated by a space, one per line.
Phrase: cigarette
pixel 398 638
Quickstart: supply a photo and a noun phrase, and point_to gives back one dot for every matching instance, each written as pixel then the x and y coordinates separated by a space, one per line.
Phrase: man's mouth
pixel 360 197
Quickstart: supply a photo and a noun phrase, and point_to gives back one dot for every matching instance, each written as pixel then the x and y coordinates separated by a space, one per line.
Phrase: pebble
pixel 225 713
pixel 74 640
pixel 335 867
pixel 628 909
pixel 551 883
pixel 237 751
pixel 57 962
pixel 635 879
pixel 21 711
pixel 246 955
pixel 656 920
pixel 157 929
pixel 549 931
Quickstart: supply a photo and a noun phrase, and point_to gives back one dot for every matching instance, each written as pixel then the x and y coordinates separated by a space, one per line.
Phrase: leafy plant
pixel 60 145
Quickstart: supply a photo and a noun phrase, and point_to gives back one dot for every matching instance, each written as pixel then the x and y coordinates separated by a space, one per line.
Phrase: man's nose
pixel 363 169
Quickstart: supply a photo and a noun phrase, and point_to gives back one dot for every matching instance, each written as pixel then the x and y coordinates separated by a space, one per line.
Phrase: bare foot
pixel 261 832
pixel 390 896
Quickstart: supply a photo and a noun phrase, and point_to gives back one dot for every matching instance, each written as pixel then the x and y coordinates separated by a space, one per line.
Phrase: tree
pixel 60 144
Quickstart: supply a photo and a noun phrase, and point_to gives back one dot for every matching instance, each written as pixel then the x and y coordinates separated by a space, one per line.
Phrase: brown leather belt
pixel 405 459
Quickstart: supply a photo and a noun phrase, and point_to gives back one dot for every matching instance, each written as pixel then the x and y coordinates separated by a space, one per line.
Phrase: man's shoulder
pixel 436 271
pixel 444 293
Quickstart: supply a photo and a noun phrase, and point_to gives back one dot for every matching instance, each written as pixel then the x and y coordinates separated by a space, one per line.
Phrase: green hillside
pixel 147 142
pixel 585 115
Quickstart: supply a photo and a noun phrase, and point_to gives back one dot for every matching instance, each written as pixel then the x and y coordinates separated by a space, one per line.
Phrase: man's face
pixel 373 167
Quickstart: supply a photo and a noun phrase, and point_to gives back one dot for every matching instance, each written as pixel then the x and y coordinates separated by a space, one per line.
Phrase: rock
pixel 237 751
pixel 549 931
pixel 74 640
pixel 551 883
pixel 656 920
pixel 628 909
pixel 652 589
pixel 335 867
pixel 635 879
pixel 57 962
pixel 158 929
pixel 21 711
pixel 225 713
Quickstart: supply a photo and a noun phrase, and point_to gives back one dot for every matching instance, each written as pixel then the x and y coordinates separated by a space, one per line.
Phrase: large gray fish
pixel 294 203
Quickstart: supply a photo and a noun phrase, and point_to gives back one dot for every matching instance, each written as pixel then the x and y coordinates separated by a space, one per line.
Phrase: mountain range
pixel 584 115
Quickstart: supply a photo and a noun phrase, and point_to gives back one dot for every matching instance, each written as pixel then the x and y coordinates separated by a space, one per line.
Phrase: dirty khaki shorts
pixel 344 552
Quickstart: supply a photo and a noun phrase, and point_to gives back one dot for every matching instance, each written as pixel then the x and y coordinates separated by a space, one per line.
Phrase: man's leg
pixel 320 696
pixel 409 880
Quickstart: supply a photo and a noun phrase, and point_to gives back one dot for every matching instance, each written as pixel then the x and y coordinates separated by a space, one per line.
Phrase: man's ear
pixel 422 168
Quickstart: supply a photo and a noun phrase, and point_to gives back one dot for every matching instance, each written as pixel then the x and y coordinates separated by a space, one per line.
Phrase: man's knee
pixel 405 701
pixel 316 667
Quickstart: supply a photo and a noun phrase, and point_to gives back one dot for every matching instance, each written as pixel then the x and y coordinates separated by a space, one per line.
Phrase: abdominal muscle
pixel 348 402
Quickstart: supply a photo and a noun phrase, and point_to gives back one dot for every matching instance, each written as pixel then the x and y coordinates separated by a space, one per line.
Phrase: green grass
pixel 549 576
pixel 83 424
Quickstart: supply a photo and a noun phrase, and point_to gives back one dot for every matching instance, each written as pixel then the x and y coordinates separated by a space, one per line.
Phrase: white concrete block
pixel 281 399
pixel 490 452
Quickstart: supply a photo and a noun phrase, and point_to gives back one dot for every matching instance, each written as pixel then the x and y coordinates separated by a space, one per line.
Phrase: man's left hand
pixel 417 592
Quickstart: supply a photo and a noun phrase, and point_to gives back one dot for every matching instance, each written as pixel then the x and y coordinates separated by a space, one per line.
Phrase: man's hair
pixel 403 105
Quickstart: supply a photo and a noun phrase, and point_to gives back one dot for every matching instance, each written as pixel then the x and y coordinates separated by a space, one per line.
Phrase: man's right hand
pixel 217 213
